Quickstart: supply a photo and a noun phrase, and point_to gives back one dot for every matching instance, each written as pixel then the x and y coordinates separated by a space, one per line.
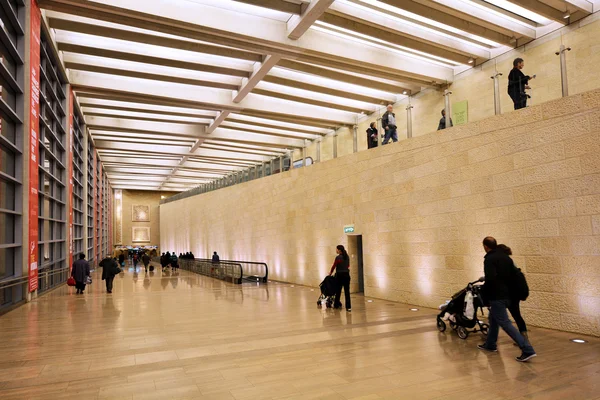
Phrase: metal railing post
pixel 355 138
pixel 306 141
pixel 319 140
pixel 447 94
pixel 409 119
pixel 496 78
pixel 562 52
pixel 379 126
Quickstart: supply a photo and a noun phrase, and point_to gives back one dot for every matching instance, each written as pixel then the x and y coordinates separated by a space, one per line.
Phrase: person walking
pixel 388 121
pixel 372 139
pixel 514 307
pixel 499 270
pixel 174 261
pixel 215 261
pixel 110 268
pixel 122 260
pixel 146 261
pixel 518 82
pixel 442 124
pixel 341 266
pixel 135 261
pixel 80 272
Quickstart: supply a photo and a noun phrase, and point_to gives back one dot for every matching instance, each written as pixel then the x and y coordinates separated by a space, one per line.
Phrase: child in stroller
pixel 329 288
pixel 461 311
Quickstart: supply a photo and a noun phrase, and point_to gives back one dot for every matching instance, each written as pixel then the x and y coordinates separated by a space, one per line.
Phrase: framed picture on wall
pixel 140 234
pixel 140 213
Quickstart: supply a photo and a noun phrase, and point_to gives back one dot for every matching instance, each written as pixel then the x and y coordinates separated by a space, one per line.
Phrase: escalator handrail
pixel 209 262
pixel 264 278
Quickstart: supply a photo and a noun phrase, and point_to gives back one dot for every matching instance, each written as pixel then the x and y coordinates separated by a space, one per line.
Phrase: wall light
pixel 471 60
pixel 578 341
pixel 414 309
pixel 369 301
pixel 567 14
pixel 405 92
pixel 163 197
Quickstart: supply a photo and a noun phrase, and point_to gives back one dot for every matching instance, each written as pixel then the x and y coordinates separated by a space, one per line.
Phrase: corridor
pixel 185 336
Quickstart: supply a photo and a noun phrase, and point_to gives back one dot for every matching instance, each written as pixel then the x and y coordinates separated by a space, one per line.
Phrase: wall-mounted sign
pixel 349 229
pixel 460 113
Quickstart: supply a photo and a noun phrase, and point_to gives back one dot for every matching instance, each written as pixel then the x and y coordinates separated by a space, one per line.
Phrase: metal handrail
pixel 21 280
pixel 223 270
pixel 5 284
pixel 264 278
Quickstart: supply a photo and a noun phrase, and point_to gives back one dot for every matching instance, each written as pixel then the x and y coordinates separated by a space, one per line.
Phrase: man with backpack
pixel 500 281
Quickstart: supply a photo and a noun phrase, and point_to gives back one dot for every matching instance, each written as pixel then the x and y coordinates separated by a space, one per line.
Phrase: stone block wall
pixel 530 178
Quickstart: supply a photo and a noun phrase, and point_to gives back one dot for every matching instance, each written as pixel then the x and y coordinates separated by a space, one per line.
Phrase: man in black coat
pixel 388 121
pixel 499 272
pixel 80 272
pixel 517 83
pixel 110 268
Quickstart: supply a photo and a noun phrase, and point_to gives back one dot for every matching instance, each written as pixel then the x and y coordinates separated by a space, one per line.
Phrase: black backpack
pixel 520 287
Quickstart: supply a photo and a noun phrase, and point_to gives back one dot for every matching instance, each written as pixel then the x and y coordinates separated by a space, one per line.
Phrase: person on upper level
pixel 518 82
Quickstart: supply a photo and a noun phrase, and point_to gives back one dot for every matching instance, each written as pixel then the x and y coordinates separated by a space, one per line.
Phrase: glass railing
pixel 551 70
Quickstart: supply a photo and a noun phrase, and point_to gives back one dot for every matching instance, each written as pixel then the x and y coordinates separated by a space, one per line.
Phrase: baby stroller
pixel 461 311
pixel 329 288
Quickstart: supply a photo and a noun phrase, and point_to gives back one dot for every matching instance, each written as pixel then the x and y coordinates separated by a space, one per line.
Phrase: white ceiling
pixel 176 93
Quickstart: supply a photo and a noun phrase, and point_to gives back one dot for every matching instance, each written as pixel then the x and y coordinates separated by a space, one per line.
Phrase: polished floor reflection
pixel 184 336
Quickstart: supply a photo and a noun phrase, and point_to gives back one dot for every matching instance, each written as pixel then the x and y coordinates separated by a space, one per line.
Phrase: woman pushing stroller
pixel 341 266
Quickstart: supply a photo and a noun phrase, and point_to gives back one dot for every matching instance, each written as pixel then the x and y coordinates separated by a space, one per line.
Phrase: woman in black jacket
pixel 341 266
pixel 372 139
pixel 514 308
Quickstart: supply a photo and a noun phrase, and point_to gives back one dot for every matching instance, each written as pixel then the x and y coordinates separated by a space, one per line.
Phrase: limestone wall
pixel 530 178
pixel 144 198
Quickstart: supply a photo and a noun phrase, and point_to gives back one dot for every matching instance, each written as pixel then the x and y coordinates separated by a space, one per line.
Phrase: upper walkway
pixel 187 336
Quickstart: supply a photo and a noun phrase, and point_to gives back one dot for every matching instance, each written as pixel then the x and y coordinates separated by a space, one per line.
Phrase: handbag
pixel 88 281
pixel 71 281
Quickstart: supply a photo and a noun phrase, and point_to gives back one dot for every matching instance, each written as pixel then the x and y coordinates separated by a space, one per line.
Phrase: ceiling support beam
pixel 218 121
pixel 299 24
pixel 221 27
pixel 260 71
pixel 542 9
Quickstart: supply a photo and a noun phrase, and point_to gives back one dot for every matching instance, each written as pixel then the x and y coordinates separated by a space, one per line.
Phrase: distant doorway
pixel 355 251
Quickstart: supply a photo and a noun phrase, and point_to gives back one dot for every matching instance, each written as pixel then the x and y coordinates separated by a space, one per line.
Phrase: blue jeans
pixel 499 319
pixel 390 133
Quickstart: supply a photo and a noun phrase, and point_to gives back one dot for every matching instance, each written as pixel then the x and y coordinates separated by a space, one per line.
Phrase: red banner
pixel 70 172
pixel 101 213
pixel 95 208
pixel 34 57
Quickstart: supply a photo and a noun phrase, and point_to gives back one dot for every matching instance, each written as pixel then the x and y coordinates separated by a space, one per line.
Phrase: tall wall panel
pixel 12 50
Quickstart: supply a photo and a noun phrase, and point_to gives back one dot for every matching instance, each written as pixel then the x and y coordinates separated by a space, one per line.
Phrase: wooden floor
pixel 184 336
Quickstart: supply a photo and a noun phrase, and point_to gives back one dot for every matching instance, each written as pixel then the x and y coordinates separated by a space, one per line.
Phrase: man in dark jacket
pixel 80 272
pixel 388 121
pixel 517 83
pixel 442 124
pixel 146 261
pixel 499 271
pixel 110 268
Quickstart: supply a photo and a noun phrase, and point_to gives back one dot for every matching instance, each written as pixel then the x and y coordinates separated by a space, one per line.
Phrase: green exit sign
pixel 349 229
